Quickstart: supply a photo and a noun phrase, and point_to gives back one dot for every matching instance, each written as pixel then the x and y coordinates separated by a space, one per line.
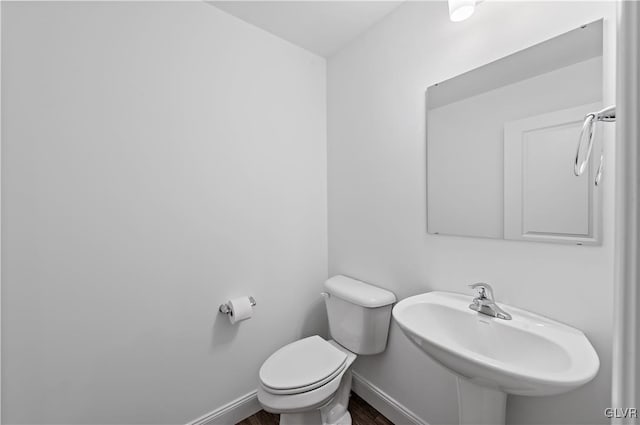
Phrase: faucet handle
pixel 483 289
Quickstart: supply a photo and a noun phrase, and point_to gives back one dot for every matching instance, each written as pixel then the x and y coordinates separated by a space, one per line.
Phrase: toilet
pixel 308 382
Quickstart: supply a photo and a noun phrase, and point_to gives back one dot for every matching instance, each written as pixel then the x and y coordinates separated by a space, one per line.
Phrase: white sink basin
pixel 528 355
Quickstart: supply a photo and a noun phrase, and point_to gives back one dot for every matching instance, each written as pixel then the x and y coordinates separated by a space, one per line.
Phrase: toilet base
pixel 344 420
pixel 333 413
pixel 312 418
pixel 303 418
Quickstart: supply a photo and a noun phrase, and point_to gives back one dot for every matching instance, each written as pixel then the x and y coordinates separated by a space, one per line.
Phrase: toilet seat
pixel 317 398
pixel 302 366
pixel 301 402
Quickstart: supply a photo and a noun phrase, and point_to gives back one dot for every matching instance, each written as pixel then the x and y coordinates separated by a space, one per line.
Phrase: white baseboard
pixel 247 405
pixel 231 413
pixel 383 403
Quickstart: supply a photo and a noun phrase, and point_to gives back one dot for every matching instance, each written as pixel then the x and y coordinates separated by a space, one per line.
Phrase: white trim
pixel 0 209
pixel 231 413
pixel 383 402
pixel 626 371
pixel 247 405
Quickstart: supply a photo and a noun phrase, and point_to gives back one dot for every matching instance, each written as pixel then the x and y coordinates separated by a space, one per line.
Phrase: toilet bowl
pixel 308 382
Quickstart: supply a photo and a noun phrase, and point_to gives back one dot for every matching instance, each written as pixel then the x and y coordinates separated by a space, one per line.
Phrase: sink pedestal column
pixel 480 405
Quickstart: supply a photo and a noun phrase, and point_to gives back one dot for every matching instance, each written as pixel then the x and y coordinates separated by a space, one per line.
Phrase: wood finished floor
pixel 361 414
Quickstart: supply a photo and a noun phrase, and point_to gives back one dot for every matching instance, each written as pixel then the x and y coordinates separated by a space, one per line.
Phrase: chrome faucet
pixel 485 302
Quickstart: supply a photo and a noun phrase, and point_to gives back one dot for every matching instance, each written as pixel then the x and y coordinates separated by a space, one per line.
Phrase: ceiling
pixel 322 27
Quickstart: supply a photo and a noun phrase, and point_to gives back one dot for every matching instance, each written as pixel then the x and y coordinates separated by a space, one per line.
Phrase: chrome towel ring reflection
pixel 587 134
pixel 588 129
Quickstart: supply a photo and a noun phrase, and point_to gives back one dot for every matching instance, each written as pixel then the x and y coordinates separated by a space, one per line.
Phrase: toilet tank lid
pixel 358 292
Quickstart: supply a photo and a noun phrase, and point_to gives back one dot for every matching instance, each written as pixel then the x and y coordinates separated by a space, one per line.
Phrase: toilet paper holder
pixel 226 308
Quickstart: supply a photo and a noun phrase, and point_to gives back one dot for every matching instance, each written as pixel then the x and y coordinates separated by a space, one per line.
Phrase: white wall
pixel 157 159
pixel 377 198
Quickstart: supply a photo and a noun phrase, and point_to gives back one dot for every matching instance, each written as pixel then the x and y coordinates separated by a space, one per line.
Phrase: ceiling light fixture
pixel 459 10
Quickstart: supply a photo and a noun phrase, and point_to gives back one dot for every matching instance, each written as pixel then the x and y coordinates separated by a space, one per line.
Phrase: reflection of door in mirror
pixel 466 117
pixel 543 199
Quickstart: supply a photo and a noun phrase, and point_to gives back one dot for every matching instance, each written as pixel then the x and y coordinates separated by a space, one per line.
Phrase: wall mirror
pixel 501 142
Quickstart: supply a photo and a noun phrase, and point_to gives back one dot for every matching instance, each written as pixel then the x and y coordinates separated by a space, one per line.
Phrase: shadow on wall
pixel 223 331
pixel 315 321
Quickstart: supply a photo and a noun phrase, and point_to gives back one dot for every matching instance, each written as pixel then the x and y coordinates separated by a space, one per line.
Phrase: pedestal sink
pixel 529 355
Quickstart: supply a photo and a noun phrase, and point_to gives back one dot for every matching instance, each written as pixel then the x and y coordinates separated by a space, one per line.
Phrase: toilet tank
pixel 359 314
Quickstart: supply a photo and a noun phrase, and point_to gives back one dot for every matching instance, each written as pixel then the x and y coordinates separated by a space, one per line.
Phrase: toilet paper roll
pixel 240 309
